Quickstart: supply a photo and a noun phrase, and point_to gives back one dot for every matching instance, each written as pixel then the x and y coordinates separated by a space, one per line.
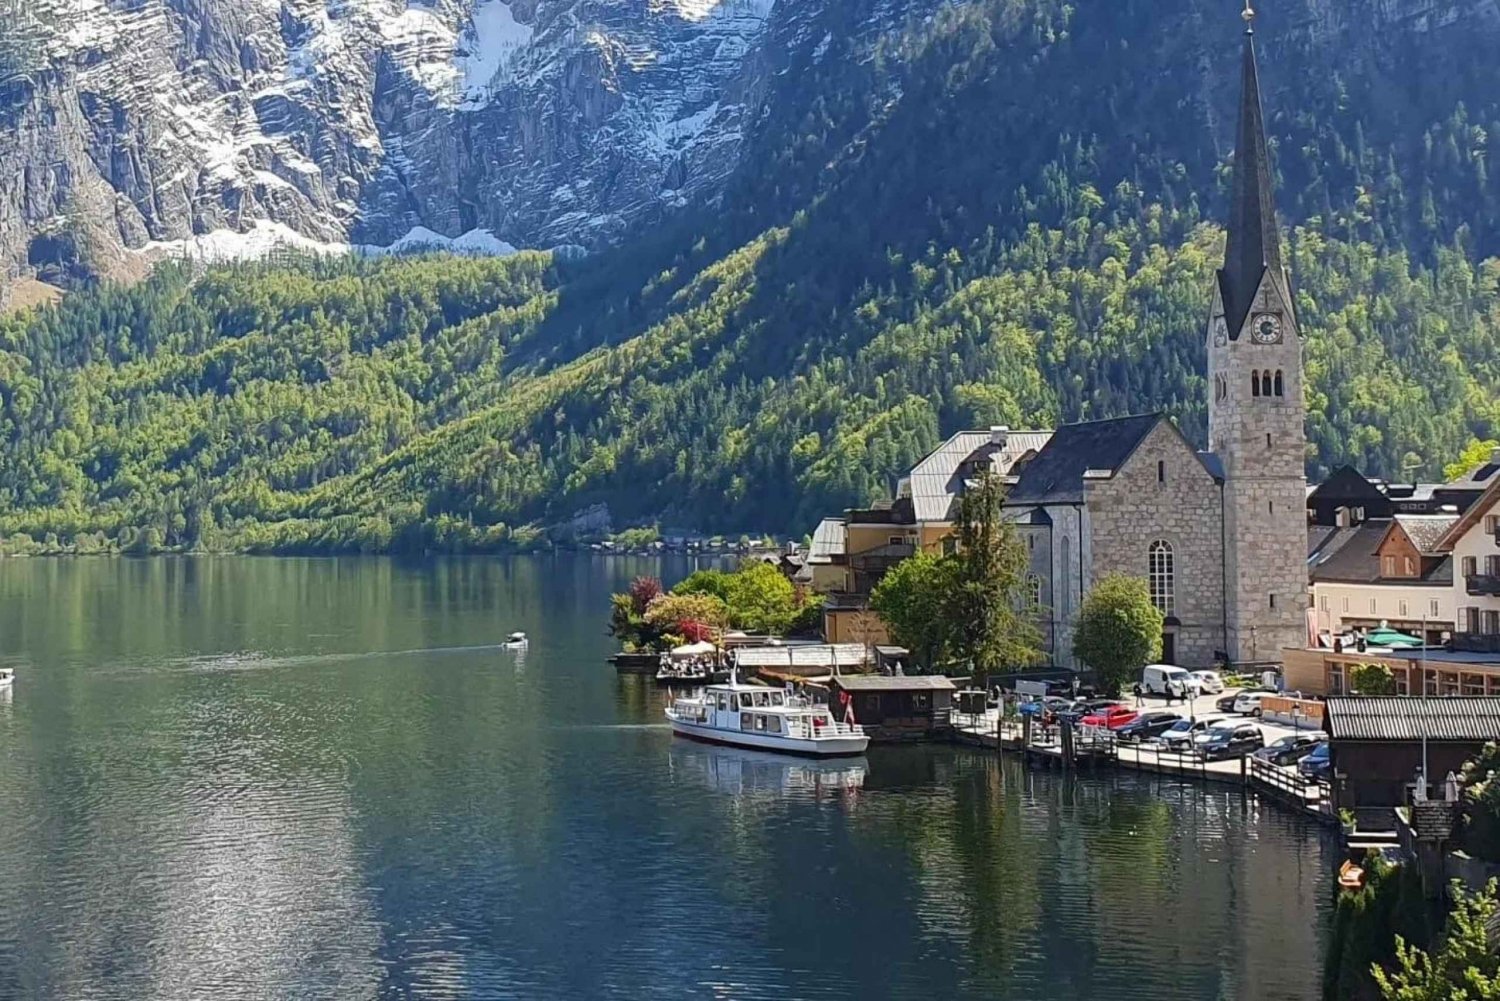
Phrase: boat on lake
pixel 767 719
pixel 7 676
pixel 515 641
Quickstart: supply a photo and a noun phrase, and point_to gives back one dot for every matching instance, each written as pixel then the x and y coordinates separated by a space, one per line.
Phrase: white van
pixel 1164 679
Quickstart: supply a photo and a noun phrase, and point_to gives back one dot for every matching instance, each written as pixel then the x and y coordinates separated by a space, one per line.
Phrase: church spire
pixel 1254 244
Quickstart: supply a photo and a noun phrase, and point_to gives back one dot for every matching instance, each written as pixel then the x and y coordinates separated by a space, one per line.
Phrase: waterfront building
pixel 897 709
pixel 1220 536
pixel 1377 745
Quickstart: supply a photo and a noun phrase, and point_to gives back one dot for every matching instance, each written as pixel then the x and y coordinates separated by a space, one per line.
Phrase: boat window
pixel 760 700
pixel 723 702
pixel 773 724
pixel 734 703
pixel 760 722
pixel 745 721
pixel 777 699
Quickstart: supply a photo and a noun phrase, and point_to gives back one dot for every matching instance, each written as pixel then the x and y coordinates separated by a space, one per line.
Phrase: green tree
pixel 714 582
pixel 988 607
pixel 669 611
pixel 1480 832
pixel 1372 679
pixel 1476 453
pixel 1462 967
pixel 912 599
pixel 761 599
pixel 1118 630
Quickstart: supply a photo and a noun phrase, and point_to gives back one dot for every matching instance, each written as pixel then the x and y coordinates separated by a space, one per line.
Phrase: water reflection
pixel 249 779
pixel 737 772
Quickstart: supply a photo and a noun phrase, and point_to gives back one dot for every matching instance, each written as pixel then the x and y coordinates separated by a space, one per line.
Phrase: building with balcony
pixel 1473 544
pixel 1384 571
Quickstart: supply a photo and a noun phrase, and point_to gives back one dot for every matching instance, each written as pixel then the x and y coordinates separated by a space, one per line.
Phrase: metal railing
pixel 1482 583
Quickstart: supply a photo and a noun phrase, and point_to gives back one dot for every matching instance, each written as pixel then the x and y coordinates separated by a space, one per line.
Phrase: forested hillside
pixel 1005 217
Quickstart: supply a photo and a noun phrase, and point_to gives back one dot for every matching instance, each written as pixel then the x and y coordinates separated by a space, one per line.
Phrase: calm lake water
pixel 241 778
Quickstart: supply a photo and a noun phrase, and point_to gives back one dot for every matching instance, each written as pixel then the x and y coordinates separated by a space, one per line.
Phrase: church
pixel 1220 536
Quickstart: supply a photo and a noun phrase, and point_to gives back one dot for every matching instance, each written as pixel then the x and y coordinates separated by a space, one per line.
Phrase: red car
pixel 1111 717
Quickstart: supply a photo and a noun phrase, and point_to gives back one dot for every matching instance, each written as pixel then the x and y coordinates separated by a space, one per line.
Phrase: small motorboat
pixel 515 641
pixel 7 676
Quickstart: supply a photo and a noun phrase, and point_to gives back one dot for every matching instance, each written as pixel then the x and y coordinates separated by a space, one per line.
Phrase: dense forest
pixel 1004 214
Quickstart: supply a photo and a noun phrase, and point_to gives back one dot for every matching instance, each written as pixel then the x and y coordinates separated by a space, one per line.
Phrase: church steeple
pixel 1254 244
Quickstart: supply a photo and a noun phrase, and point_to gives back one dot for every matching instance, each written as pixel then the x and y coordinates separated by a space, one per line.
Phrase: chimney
pixel 1495 456
pixel 1000 433
pixel 1341 518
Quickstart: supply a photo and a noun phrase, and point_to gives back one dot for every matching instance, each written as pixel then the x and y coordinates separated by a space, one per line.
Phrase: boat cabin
pixel 755 710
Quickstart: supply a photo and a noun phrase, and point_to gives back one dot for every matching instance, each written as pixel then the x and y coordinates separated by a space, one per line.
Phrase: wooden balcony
pixel 1483 584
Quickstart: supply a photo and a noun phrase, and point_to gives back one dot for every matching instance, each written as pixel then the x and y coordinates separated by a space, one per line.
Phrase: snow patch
pixel 265 238
pixel 494 40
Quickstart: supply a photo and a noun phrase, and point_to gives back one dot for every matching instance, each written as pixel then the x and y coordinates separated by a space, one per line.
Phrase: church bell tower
pixel 1256 413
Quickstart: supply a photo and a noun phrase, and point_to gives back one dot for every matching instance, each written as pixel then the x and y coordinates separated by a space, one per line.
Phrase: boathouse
pixel 1376 743
pixel 897 709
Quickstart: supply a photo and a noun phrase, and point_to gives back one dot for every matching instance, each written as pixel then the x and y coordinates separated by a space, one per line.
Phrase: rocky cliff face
pixel 131 129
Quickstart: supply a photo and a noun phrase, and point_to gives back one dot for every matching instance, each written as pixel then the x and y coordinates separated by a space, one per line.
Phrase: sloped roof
pixel 938 479
pixel 1402 717
pixel 880 683
pixel 827 539
pixel 1425 530
pixel 808 655
pixel 1349 554
pixel 1056 474
pixel 1482 505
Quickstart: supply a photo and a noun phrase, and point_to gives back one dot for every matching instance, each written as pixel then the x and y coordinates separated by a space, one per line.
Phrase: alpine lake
pixel 287 778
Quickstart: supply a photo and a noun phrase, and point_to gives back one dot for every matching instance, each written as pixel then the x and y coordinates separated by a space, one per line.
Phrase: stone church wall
pixel 1133 508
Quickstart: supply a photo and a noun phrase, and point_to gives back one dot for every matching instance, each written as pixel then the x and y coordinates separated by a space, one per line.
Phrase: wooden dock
pixel 1095 749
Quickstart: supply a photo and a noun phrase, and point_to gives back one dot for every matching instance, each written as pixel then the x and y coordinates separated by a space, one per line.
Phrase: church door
pixel 1169 648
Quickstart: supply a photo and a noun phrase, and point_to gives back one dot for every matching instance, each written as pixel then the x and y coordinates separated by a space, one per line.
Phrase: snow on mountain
pixel 139 128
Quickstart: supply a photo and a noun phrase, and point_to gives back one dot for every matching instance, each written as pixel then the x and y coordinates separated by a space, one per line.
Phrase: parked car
pixel 1179 736
pixel 1318 764
pixel 1164 679
pixel 1111 717
pixel 1147 725
pixel 1234 740
pixel 1226 704
pixel 1292 748
pixel 1248 703
pixel 1209 682
pixel 1083 707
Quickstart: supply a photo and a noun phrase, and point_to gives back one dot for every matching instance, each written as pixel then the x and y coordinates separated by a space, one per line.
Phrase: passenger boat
pixel 515 641
pixel 7 675
pixel 767 719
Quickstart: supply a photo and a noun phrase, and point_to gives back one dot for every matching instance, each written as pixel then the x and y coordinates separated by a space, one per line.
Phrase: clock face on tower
pixel 1221 331
pixel 1266 328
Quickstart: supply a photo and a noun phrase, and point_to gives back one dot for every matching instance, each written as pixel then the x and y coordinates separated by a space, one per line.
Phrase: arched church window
pixel 1265 383
pixel 1159 575
pixel 1033 592
pixel 1278 382
pixel 1255 383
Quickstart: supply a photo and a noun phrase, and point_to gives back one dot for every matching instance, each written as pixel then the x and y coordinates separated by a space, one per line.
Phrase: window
pixel 1470 620
pixel 760 722
pixel 1492 565
pixel 1278 382
pixel 1159 576
pixel 1270 507
pixel 919 700
pixel 1346 604
pixel 1323 602
pixel 722 702
pixel 1432 609
pixel 1033 592
pixel 1265 383
pixel 746 721
pixel 1254 383
pixel 1372 606
pixel 1469 566
pixel 1388 566
pixel 1066 564
pixel 1268 439
pixel 1336 679
pixel 895 540
pixel 1411 566
pixel 1402 608
pixel 1161 471
pixel 1491 524
pixel 773 724
pixel 1271 599
pixel 1489 621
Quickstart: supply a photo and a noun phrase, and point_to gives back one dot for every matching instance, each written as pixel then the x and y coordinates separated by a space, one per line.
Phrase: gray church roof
pixel 938 479
pixel 1055 476
pixel 1253 245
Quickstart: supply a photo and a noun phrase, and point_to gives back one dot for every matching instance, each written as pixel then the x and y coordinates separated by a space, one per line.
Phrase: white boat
pixel 515 641
pixel 767 719
pixel 7 675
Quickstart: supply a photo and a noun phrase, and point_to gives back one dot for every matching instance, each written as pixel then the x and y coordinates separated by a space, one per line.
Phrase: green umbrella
pixel 1390 637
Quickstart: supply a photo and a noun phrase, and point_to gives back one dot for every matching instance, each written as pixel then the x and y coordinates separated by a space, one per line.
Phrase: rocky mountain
pixel 135 129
